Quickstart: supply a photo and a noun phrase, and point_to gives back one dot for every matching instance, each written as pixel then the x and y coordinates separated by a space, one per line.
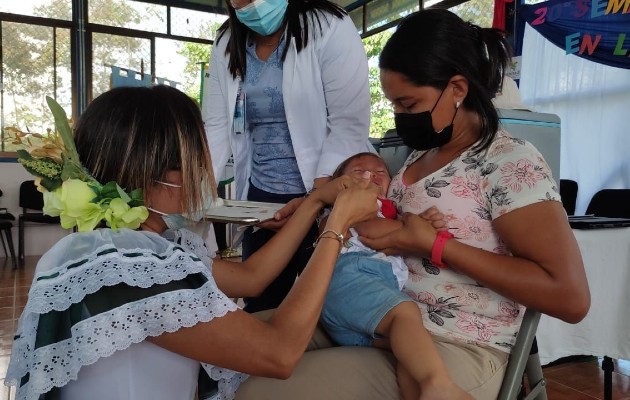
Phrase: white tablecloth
pixel 605 331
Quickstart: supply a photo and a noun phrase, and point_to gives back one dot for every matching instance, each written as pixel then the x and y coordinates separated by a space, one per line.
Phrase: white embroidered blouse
pixel 95 298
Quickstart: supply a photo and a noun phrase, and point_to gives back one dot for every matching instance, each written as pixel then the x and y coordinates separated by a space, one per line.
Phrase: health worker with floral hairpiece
pixel 132 306
pixel 288 97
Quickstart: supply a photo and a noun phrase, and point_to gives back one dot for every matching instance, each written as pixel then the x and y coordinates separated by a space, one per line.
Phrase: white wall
pixel 38 238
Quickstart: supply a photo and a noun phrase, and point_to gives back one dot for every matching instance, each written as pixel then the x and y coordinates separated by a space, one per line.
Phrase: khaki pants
pixel 362 373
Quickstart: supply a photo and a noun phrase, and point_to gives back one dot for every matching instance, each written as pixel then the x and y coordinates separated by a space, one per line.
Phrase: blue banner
pixel 598 30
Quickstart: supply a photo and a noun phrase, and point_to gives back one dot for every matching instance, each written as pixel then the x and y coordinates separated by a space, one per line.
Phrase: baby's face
pixel 376 166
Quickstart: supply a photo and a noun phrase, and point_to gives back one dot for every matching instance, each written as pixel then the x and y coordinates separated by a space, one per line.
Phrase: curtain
pixel 593 103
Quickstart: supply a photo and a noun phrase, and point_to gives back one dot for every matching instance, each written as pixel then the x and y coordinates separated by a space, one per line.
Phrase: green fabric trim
pixel 56 326
pixel 114 250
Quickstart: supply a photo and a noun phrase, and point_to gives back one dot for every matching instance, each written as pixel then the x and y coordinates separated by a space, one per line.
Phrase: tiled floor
pixel 575 379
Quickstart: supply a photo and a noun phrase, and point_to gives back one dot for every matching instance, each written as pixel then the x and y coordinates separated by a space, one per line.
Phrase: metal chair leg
pixel 9 236
pixel 21 241
pixel 4 247
pixel 11 248
pixel 535 377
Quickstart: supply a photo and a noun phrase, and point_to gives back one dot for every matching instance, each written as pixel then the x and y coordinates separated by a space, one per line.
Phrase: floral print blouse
pixel 472 191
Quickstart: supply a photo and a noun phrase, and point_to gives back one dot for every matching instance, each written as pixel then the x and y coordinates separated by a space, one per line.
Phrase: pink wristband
pixel 438 247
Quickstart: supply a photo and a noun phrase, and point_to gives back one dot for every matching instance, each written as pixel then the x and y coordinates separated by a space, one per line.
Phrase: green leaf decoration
pixel 137 199
pixel 63 127
pixel 109 190
pixel 122 194
pixel 51 184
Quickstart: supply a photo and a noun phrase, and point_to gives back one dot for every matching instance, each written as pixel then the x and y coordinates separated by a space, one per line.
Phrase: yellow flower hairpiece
pixel 70 191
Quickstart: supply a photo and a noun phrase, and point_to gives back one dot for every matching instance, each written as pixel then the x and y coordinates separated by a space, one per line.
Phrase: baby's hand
pixel 435 217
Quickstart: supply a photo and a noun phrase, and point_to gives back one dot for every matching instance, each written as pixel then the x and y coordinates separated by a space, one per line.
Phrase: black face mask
pixel 416 130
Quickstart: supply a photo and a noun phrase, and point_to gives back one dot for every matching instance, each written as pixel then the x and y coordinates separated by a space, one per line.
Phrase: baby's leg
pixel 409 388
pixel 413 346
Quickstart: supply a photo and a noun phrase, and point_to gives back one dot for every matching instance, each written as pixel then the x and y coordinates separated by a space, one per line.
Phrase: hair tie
pixel 476 30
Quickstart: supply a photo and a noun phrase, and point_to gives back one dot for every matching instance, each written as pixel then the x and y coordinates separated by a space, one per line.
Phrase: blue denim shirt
pixel 274 167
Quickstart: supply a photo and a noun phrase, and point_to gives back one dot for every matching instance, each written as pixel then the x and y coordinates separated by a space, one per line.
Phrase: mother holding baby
pixel 508 245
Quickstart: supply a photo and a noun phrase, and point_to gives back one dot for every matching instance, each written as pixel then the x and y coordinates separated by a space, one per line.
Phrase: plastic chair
pixel 32 203
pixel 524 360
pixel 568 194
pixel 610 203
pixel 393 151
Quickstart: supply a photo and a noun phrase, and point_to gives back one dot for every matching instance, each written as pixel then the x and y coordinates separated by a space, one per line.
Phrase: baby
pixel 365 305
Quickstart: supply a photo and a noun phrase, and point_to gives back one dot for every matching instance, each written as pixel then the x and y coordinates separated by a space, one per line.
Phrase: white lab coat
pixel 326 100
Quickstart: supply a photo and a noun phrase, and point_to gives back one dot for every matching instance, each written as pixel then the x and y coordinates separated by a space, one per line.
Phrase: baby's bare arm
pixel 377 227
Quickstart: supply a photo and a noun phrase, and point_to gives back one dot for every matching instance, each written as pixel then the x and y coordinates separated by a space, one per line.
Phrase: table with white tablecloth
pixel 605 331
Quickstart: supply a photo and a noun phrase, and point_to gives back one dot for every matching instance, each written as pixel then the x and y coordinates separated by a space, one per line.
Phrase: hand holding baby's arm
pixel 377 227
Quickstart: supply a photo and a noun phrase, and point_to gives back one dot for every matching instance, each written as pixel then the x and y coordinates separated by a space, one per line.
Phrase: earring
pixel 458 104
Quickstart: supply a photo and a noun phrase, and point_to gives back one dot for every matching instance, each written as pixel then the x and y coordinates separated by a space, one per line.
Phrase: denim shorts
pixel 362 291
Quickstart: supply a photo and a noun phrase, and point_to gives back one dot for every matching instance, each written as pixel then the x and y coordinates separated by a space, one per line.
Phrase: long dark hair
pixel 431 46
pixel 296 20
pixel 135 135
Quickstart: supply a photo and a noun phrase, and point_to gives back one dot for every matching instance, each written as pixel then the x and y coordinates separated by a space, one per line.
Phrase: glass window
pixel 60 9
pixel 35 64
pixel 183 63
pixel 357 17
pixel 380 12
pixel 129 53
pixel 479 12
pixel 195 24
pixel 128 14
pixel 382 115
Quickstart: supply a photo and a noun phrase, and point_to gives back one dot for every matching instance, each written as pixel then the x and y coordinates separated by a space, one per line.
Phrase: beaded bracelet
pixel 338 236
pixel 310 192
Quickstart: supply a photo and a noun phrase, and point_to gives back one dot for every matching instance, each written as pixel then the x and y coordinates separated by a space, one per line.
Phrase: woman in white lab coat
pixel 288 96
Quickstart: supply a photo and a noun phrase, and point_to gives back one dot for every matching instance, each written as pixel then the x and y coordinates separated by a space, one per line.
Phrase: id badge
pixel 239 112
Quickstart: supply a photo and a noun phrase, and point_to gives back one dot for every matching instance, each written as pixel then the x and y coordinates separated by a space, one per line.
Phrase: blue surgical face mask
pixel 263 16
pixel 179 221
pixel 176 221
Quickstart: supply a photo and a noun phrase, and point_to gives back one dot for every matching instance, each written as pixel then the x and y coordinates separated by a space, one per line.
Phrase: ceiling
pixel 219 5
pixel 368 15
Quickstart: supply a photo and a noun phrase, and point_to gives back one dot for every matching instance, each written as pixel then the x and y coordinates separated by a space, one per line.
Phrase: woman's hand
pixel 354 204
pixel 326 194
pixel 282 215
pixel 415 237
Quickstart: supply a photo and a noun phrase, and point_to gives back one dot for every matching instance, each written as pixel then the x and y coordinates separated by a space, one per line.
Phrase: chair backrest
pixel 513 377
pixel 610 203
pixel 568 194
pixel 393 151
pixel 30 198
